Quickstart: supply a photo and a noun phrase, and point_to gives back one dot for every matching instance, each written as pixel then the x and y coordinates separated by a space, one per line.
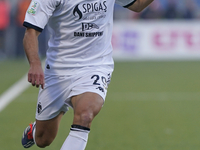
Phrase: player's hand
pixel 36 75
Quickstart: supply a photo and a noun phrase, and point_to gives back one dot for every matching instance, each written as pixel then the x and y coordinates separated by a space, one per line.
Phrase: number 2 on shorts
pixel 96 79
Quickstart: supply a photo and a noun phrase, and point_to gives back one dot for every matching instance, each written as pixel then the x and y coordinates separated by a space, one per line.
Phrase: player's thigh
pixel 47 129
pixel 86 106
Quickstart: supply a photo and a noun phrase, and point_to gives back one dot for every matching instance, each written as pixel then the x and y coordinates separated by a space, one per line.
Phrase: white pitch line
pixel 13 92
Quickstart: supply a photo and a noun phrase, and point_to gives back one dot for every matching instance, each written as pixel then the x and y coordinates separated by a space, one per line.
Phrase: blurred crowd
pixel 163 9
pixel 12 14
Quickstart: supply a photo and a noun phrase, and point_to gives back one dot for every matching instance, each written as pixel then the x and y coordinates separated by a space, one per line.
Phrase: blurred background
pixel 165 24
pixel 166 30
pixel 154 97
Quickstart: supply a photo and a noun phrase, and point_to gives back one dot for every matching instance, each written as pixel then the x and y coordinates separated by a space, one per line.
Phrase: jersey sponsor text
pixel 88 34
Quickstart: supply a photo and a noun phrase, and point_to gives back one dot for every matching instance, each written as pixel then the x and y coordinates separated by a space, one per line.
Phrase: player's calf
pixel 43 141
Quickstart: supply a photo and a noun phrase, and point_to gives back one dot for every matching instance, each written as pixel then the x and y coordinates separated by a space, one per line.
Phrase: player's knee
pixel 85 118
pixel 42 143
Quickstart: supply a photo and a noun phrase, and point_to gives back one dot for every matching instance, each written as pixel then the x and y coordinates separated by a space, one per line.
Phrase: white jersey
pixel 80 30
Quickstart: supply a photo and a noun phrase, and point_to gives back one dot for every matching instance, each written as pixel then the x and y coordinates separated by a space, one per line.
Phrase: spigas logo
pixel 90 11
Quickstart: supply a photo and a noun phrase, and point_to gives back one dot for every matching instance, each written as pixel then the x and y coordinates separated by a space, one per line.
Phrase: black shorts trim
pixel 26 24
pixel 130 4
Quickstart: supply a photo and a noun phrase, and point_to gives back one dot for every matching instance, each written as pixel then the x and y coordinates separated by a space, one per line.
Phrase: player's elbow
pixel 136 9
pixel 139 10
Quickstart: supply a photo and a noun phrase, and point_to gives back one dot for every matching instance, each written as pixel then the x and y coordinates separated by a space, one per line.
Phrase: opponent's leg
pixel 43 133
pixel 86 106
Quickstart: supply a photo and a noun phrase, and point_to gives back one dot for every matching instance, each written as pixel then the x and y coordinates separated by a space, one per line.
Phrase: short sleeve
pixel 39 12
pixel 125 3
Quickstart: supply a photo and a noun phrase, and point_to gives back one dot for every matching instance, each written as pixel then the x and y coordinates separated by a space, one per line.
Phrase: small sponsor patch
pixel 33 8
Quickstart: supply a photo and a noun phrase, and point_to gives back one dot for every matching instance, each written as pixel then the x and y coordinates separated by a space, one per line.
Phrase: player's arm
pixel 134 5
pixel 139 5
pixel 30 42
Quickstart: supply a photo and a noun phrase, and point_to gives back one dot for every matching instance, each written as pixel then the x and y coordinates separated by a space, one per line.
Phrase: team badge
pixel 33 8
pixel 39 107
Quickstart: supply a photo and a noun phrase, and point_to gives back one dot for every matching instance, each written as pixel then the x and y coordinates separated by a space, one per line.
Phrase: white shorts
pixel 58 90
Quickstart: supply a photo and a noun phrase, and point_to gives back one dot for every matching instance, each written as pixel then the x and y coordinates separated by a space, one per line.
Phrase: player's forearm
pixel 139 5
pixel 30 42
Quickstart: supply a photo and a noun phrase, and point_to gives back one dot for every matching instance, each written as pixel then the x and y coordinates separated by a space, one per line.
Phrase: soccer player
pixel 78 67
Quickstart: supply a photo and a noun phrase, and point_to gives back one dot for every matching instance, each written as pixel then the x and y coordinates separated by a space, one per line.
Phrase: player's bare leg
pixel 46 131
pixel 86 107
pixel 41 133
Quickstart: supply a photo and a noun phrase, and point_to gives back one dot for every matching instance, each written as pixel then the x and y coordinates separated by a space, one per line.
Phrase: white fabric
pixel 76 140
pixel 80 31
pixel 58 89
pixel 33 132
pixel 124 2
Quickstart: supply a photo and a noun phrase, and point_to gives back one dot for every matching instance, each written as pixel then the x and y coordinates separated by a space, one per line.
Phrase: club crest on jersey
pixel 33 8
pixel 90 11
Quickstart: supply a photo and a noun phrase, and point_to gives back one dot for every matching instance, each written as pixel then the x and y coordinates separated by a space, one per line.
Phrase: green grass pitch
pixel 149 106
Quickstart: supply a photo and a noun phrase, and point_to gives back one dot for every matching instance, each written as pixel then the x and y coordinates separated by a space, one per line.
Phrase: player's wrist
pixel 35 63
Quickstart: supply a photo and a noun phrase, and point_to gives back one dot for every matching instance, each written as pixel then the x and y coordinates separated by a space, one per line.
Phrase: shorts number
pixel 96 80
pixel 104 80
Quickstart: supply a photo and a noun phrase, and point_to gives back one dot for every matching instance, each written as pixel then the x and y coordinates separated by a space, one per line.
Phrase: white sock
pixel 77 138
pixel 33 132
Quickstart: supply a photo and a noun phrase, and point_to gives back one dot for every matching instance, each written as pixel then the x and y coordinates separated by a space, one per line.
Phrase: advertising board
pixel 156 40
